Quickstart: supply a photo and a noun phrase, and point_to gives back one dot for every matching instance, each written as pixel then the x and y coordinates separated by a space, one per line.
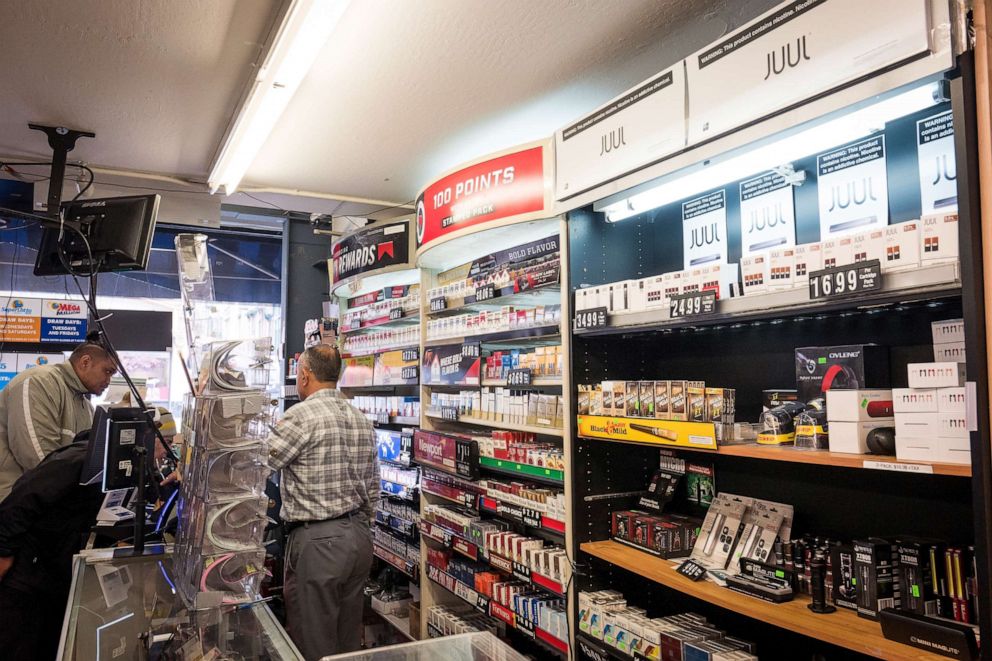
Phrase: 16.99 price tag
pixel 844 281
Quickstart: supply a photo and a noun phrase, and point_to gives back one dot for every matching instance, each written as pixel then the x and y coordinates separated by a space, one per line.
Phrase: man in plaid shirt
pixel 326 451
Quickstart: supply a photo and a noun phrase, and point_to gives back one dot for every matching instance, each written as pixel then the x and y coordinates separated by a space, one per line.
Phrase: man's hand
pixel 5 564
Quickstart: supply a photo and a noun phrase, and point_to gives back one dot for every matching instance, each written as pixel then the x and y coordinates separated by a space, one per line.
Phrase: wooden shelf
pixel 843 628
pixel 822 457
pixel 482 422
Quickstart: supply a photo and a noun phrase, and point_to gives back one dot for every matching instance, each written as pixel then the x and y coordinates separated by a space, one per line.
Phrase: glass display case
pixel 128 609
pixel 463 647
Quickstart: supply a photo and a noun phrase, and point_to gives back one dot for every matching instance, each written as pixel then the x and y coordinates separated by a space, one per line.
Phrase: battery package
pixel 845 583
pixel 845 367
pixel 875 572
pixel 917 577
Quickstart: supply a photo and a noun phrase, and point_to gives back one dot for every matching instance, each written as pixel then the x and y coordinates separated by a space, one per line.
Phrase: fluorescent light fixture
pixel 781 150
pixel 305 28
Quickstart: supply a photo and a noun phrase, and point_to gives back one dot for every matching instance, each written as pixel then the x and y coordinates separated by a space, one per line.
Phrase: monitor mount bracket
pixel 62 141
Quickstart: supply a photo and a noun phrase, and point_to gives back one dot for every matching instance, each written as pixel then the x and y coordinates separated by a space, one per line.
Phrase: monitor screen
pixel 110 456
pixel 119 231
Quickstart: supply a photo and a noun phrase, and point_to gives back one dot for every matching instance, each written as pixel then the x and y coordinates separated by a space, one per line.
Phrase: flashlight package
pixel 720 530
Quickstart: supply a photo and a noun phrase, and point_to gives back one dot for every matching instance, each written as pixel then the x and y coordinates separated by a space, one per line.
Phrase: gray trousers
pixel 327 565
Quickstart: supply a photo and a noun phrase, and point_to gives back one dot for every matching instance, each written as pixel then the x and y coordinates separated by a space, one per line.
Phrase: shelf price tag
pixel 382 418
pixel 409 373
pixel 590 319
pixel 438 304
pixel 693 304
pixel 845 281
pixel 518 377
pixel 355 325
pixel 395 314
pixel 449 413
pixel 410 355
pixel 692 571
pixel 471 350
pixel 470 500
pixel 485 293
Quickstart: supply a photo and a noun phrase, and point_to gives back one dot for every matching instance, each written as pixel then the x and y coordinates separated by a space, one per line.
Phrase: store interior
pixel 668 319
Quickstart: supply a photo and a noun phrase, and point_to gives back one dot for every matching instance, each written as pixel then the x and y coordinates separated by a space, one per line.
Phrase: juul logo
pixel 612 141
pixel 942 171
pixel 704 236
pixel 768 218
pixel 785 57
pixel 843 196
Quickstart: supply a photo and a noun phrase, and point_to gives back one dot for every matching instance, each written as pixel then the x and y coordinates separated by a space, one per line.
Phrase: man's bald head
pixel 320 367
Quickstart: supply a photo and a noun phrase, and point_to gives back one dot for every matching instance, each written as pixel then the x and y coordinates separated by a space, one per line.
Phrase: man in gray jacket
pixel 43 408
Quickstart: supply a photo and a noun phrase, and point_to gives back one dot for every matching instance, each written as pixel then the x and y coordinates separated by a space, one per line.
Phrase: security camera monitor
pixel 118 230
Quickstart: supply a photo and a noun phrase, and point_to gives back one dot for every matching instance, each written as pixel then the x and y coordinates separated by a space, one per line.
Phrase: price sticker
pixel 438 304
pixel 518 377
pixel 590 319
pixel 693 304
pixel 845 281
pixel 409 374
pixel 471 350
pixel 485 293
pixel 410 355
pixel 449 413
pixel 395 314
pixel 382 418
pixel 691 570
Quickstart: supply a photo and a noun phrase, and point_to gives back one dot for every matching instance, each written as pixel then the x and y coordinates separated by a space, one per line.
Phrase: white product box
pixel 692 280
pixel 851 437
pixel 915 400
pixel 673 285
pixel 948 330
pixel 711 278
pixel 952 425
pixel 858 405
pixel 954 450
pixel 636 299
pixel 902 247
pixel 653 292
pixel 938 238
pixel 808 258
pixel 868 245
pixel 583 298
pixel 936 375
pixel 917 449
pixel 951 400
pixel 949 352
pixel 754 273
pixel 915 425
pixel 781 268
pixel 837 251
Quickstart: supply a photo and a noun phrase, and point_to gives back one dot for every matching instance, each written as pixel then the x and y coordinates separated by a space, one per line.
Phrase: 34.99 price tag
pixel 692 304
pixel 590 319
pixel 845 281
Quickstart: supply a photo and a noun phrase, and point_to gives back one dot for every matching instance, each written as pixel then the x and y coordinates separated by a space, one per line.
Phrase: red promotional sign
pixel 498 188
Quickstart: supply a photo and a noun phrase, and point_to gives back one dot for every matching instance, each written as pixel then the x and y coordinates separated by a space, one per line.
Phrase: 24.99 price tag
pixel 692 304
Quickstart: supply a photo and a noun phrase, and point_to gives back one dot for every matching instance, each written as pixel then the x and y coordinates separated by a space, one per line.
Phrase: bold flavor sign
pixel 498 188
pixel 370 249
pixel 795 51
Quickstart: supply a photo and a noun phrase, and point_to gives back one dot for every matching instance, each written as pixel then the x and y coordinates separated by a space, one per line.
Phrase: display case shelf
pixel 404 566
pixel 379 351
pixel 401 624
pixel 542 637
pixel 537 382
pixel 539 474
pixel 535 335
pixel 546 295
pixel 482 422
pixel 411 317
pixel 796 455
pixel 928 282
pixel 843 628
pixel 521 515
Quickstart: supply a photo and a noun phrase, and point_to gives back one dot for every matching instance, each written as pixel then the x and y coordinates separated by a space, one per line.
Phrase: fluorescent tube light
pixel 780 151
pixel 305 29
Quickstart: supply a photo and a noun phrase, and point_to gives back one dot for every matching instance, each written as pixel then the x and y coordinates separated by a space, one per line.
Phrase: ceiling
pixel 404 89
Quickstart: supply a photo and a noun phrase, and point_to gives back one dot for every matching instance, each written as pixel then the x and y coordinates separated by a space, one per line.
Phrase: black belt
pixel 293 525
